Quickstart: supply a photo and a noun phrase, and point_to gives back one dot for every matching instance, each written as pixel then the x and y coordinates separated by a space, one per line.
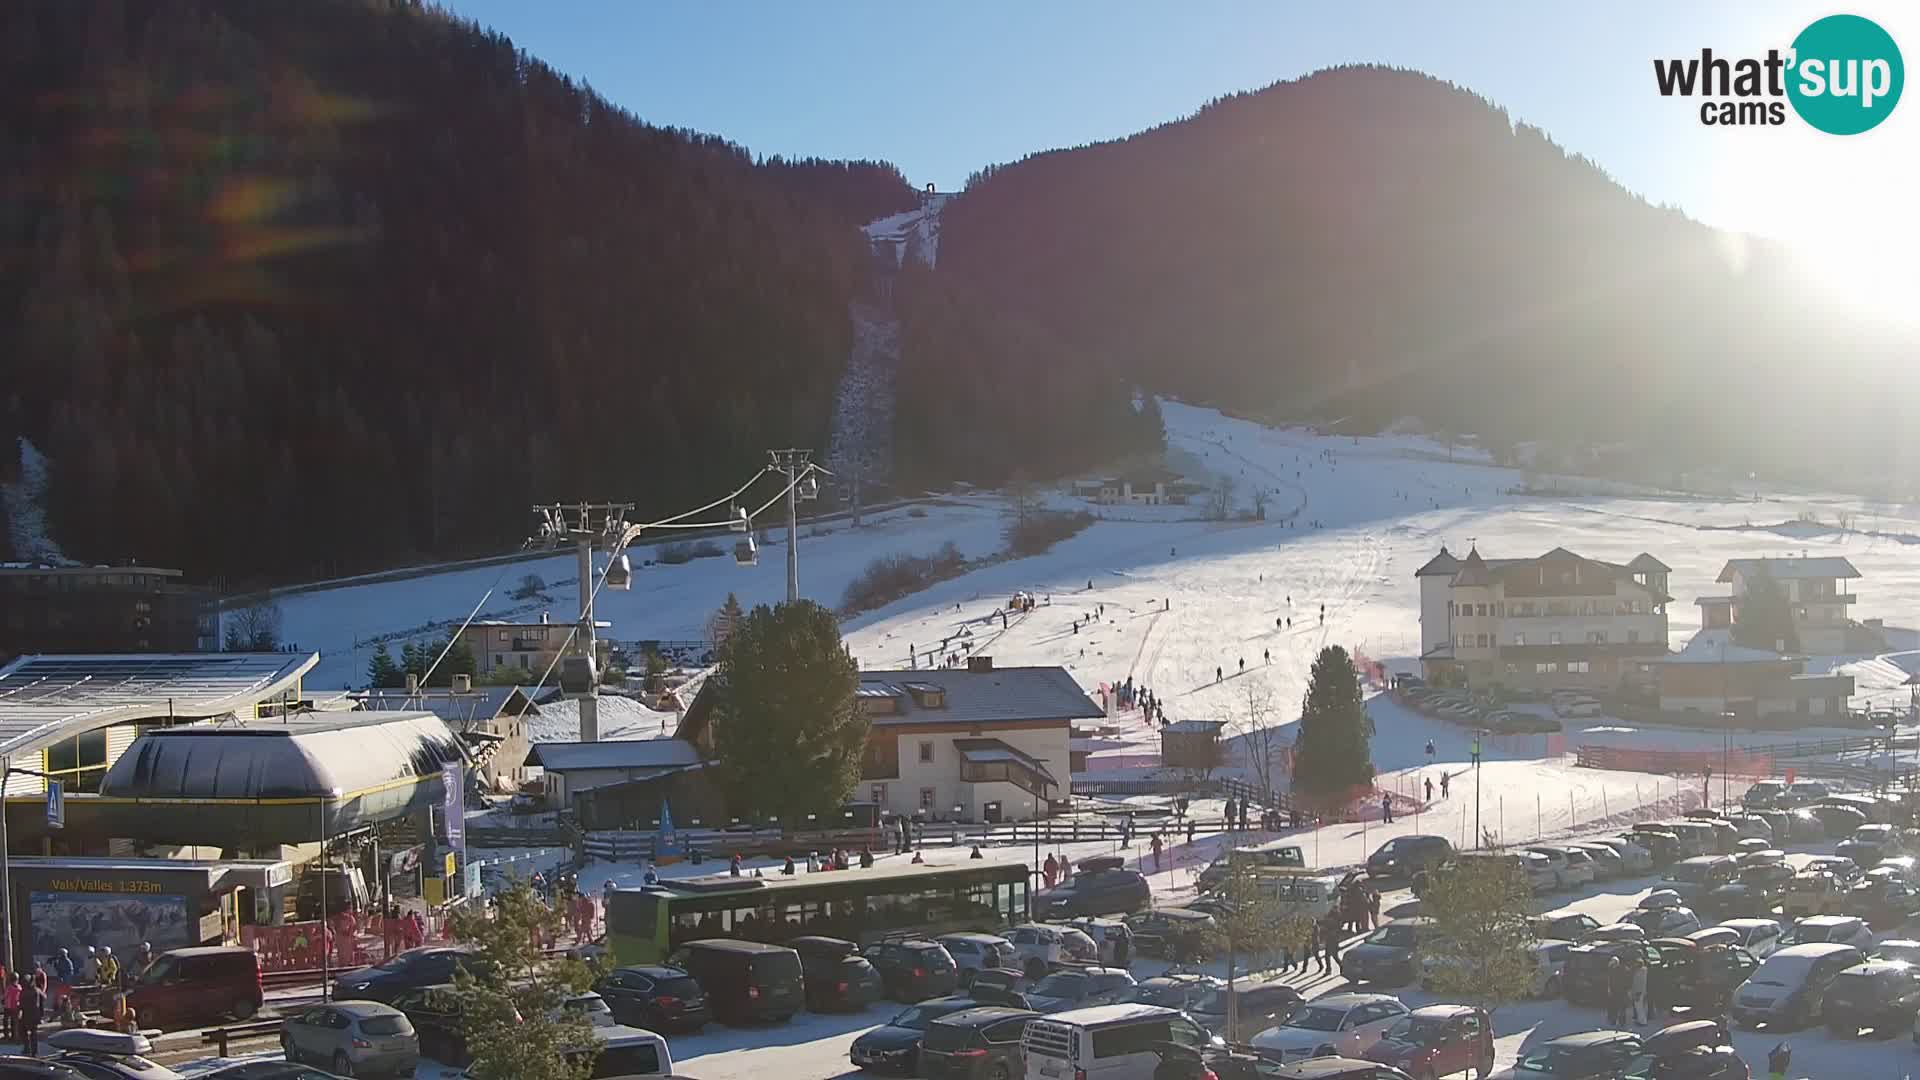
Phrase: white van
pixel 1300 892
pixel 1106 1042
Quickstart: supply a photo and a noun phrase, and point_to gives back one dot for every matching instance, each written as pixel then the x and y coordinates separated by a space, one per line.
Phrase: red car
pixel 1438 1040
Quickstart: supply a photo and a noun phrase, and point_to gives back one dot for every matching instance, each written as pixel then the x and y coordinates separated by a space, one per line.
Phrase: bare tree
pixel 254 628
pixel 1022 495
pixel 1260 502
pixel 1220 499
pixel 1254 721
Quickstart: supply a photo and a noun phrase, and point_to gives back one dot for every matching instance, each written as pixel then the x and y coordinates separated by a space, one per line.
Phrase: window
pixel 1577 667
pixel 1633 636
pixel 1553 638
pixel 1519 639
pixel 1480 640
pixel 1596 637
pixel 926 751
pixel 1482 610
pixel 926 798
pixel 1465 641
pixel 1546 668
pixel 506 635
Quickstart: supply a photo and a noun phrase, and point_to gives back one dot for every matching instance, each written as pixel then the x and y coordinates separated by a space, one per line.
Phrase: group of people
pixel 1627 991
pixel 27 1005
pixel 29 998
pixel 837 859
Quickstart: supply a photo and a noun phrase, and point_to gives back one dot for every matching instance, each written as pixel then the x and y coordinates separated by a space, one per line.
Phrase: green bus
pixel 645 924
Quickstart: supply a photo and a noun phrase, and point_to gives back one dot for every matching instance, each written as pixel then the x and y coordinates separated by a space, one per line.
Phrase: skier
pixel 1243 665
pixel 1156 852
pixel 1445 782
pixel 1267 655
pixel 1217 676
pixel 1429 789
pixel 1386 807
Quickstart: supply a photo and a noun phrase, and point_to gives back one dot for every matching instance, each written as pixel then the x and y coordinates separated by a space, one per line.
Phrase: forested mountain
pixel 1372 243
pixel 289 289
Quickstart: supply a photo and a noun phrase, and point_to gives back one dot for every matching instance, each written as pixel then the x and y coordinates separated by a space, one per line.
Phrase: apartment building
pixel 1814 592
pixel 525 647
pixel 1552 621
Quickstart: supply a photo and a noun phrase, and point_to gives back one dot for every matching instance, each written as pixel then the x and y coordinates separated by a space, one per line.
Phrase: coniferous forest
pixel 298 289
pixel 294 290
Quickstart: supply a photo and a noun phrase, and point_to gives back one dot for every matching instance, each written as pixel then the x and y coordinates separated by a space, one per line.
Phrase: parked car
pixel 429 965
pixel 1757 890
pixel 591 1007
pixel 1564 925
pixel 1801 793
pixel 1812 892
pixel 1588 1055
pixel 1539 870
pixel 1788 988
pixel 1752 826
pixel 1585 977
pixel 1607 863
pixel 1838 819
pixel 1884 897
pixel 1764 794
pixel 1760 936
pixel 1399 858
pixel 1805 826
pixel 1112 938
pixel 1001 986
pixel 1781 822
pixel 838 978
pixel 1691 879
pixel 1634 857
pixel 1694 1050
pixel 1173 933
pixel 206 982
pixel 439 1024
pixel 1817 929
pixel 895 1045
pixel 1661 844
pixel 913 969
pixel 1844 870
pixel 1620 931
pixel 744 980
pixel 1571 867
pixel 1080 988
pixel 1878 994
pixel 1258 1006
pixel 1869 844
pixel 1665 921
pixel 1175 990
pixel 1905 949
pixel 1337 1025
pixel 1039 948
pixel 975 1044
pixel 1384 956
pixel 1438 1040
pixel 652 996
pixel 1099 887
pixel 973 952
pixel 1696 976
pixel 353 1038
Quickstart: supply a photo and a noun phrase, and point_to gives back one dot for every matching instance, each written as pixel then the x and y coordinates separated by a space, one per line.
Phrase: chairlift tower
pixel 802 486
pixel 586 527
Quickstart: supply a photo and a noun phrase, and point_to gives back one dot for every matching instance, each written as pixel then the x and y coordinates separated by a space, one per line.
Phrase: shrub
pixel 916 511
pixel 706 549
pixel 1039 531
pixel 891 577
pixel 675 553
pixel 530 586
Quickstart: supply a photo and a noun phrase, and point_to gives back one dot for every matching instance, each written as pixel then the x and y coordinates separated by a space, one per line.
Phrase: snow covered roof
pixel 981 751
pixel 47 698
pixel 1443 563
pixel 626 754
pixel 984 697
pixel 484 703
pixel 1824 566
pixel 1195 727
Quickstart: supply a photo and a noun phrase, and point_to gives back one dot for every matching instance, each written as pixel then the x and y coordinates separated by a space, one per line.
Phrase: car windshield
pixel 1908 951
pixel 1317 1018
pixel 1394 934
pixel 1067 984
pixel 1418 1030
pixel 1171 995
pixel 914 1019
pixel 1551 1059
pixel 1781 971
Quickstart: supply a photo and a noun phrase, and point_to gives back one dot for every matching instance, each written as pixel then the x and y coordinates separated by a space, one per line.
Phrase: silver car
pixel 353 1038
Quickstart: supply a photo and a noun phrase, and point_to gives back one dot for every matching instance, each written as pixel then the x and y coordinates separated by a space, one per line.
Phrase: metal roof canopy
pixel 44 699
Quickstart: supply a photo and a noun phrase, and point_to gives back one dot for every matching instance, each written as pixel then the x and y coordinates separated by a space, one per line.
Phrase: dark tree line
pixel 1371 243
pixel 296 289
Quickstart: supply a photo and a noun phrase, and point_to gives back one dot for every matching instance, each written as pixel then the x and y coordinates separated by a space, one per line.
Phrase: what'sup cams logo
pixel 1843 75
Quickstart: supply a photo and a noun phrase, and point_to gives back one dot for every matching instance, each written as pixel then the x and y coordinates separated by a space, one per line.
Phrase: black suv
pixel 1880 994
pixel 655 997
pixel 838 977
pixel 1103 886
pixel 1403 856
pixel 430 965
pixel 975 1044
pixel 914 969
pixel 1585 978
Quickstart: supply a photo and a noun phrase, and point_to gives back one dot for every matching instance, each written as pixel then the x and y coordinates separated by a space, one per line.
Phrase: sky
pixel 943 90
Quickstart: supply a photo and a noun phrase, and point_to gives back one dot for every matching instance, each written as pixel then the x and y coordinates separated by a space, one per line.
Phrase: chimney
pixel 979 663
pixel 413 682
pixel 463 684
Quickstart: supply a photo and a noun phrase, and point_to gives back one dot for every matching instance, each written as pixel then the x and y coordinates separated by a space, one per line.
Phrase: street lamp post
pixel 326 953
pixel 7 772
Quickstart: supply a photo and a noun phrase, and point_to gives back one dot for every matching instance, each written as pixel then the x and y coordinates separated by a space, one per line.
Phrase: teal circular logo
pixel 1846 75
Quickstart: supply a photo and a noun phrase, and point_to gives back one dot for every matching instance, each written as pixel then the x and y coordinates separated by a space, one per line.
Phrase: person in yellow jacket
pixel 109 967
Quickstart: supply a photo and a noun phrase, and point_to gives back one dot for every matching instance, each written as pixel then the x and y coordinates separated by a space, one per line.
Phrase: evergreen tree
pixel 458 661
pixel 1765 620
pixel 786 730
pixel 511 1007
pixel 1330 755
pixel 410 662
pixel 382 672
pixel 1481 939
pixel 723 621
